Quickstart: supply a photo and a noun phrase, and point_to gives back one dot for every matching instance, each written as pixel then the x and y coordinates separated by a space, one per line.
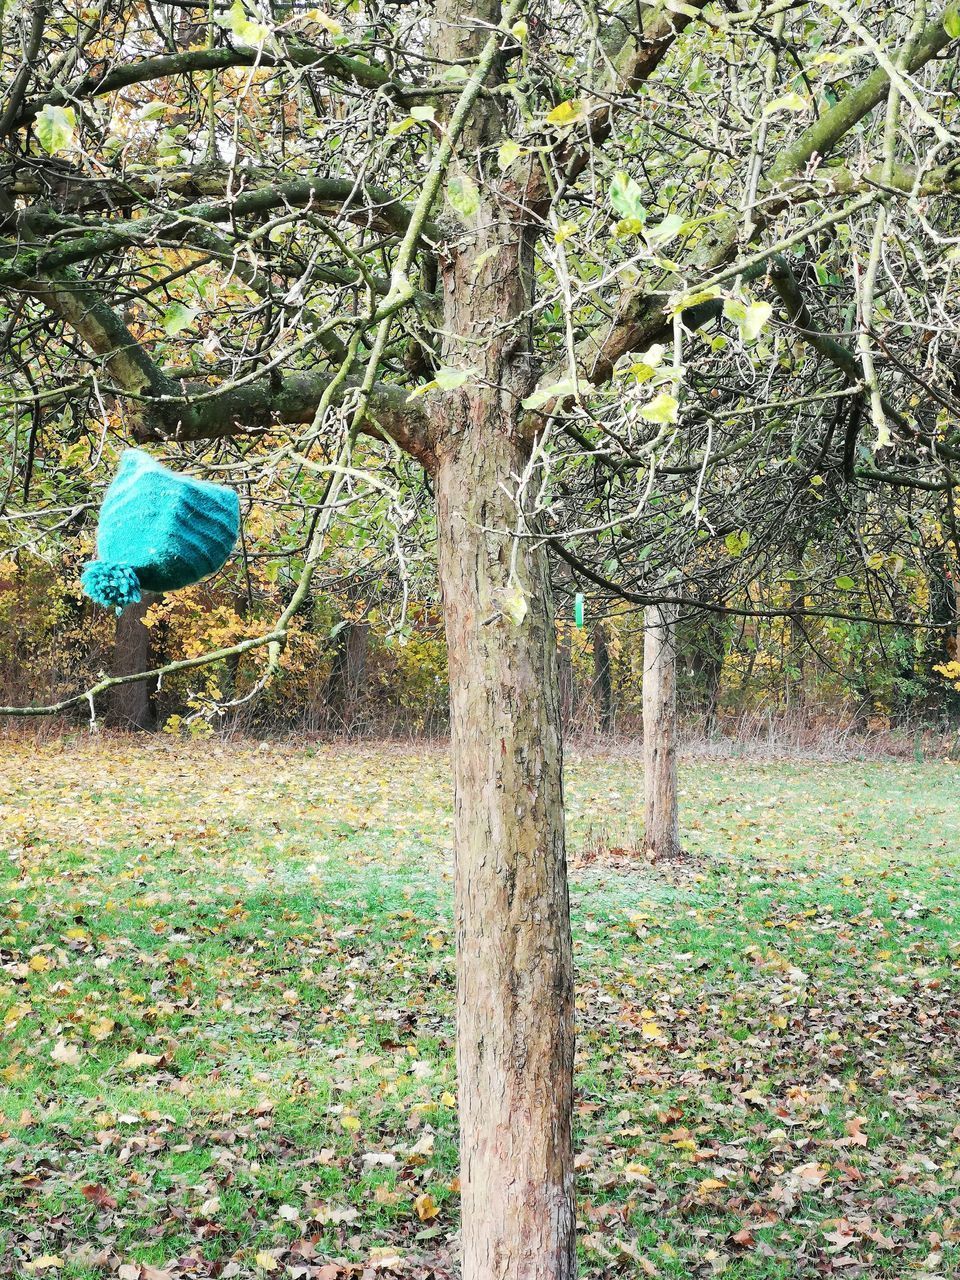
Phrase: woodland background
pixel 826 685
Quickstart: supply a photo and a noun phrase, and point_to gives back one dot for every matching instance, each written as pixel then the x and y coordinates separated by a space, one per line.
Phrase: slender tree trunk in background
pixel 241 606
pixel 710 669
pixel 602 677
pixel 515 963
pixel 132 705
pixel 347 675
pixel 565 677
pixel 661 815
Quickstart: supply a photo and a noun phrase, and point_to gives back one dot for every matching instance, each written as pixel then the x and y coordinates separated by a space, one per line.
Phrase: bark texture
pixel 514 952
pixel 515 963
pixel 132 705
pixel 661 815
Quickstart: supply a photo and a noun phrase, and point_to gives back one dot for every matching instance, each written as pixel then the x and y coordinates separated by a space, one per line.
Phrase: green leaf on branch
pixel 177 317
pixel 55 126
pixel 247 30
pixel 515 604
pixel 625 196
pixel 662 409
pixel 749 318
pixel 508 153
pixel 330 25
pixel 951 21
pixel 664 231
pixel 628 227
pixel 464 195
pixel 446 378
pixel 650 361
pixel 154 110
pixel 737 542
pixel 556 391
pixel 844 583
pixel 788 102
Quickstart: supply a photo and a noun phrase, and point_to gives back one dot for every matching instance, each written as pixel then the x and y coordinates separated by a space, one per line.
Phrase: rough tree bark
pixel 132 705
pixel 514 951
pixel 515 964
pixel 661 815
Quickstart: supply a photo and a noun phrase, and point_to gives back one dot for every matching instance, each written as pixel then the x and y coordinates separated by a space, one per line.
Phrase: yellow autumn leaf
pixel 448 1100
pixel 14 1014
pixel 135 1060
pixel 350 1123
pixel 324 20
pixel 46 1262
pixel 566 113
pixel 650 1030
pixel 40 964
pixel 426 1207
pixel 266 1261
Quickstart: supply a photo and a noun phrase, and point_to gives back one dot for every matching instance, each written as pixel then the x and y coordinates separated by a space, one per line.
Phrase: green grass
pixel 241 961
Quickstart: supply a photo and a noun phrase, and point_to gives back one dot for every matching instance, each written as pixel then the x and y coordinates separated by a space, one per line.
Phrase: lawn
pixel 226 987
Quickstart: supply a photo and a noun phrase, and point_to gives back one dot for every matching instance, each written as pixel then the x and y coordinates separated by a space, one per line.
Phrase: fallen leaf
pixel 67 1055
pixel 98 1195
pixel 426 1207
pixel 135 1060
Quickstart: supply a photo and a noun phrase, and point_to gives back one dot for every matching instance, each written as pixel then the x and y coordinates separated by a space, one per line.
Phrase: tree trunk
pixel 565 678
pixel 347 674
pixel 602 678
pixel 661 817
pixel 514 953
pixel 132 705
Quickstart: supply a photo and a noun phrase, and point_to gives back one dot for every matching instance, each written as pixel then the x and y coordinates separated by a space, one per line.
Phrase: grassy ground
pixel 226 981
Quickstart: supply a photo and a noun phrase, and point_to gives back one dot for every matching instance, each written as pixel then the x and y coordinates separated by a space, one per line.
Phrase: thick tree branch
pixel 163 408
pixel 22 78
pixel 262 404
pixel 122 358
pixel 97 82
pixel 336 196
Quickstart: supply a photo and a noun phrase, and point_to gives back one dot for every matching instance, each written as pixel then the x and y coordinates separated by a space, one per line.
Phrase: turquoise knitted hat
pixel 158 531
